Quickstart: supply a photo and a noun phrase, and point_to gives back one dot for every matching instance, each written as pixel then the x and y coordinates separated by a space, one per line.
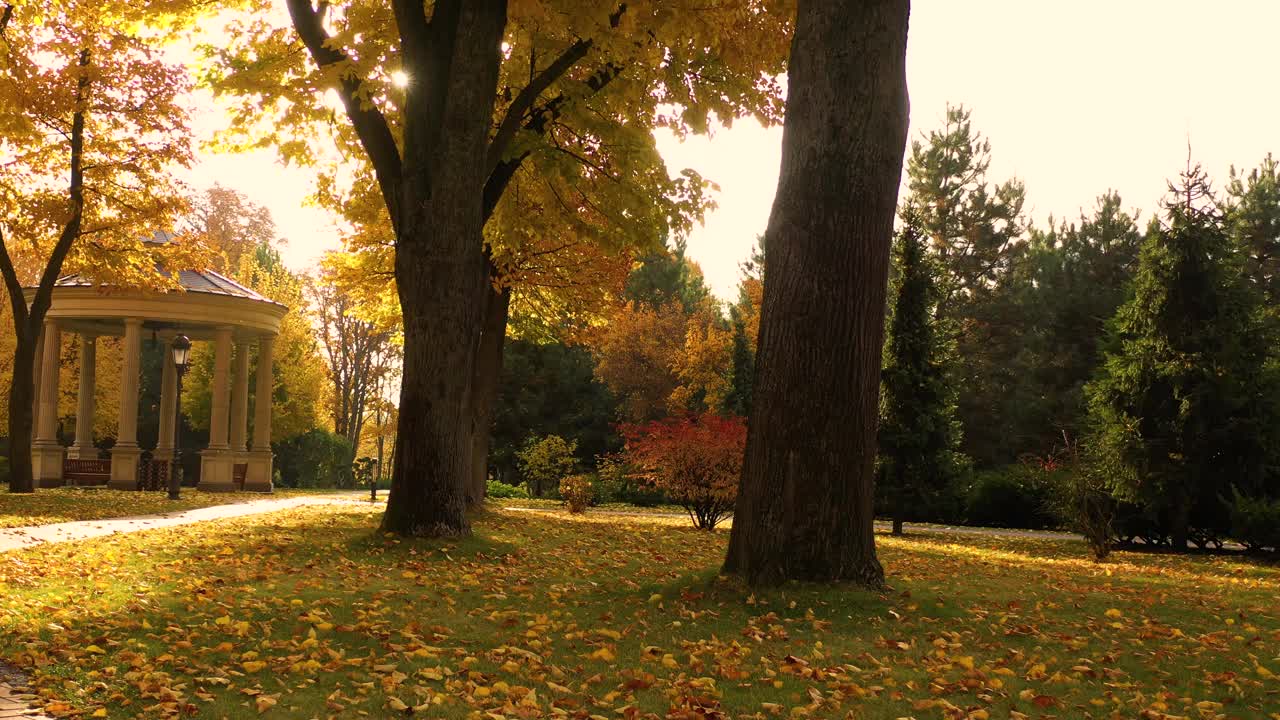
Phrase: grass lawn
pixel 311 613
pixel 45 507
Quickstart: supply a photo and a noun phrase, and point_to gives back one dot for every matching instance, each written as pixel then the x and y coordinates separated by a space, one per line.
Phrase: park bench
pixel 86 472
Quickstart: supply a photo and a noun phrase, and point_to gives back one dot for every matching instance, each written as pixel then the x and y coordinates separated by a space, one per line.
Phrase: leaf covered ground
pixel 57 505
pixel 312 613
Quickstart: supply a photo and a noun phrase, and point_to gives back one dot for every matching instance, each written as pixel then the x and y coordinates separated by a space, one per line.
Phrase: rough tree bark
pixel 804 510
pixel 432 183
pixel 485 388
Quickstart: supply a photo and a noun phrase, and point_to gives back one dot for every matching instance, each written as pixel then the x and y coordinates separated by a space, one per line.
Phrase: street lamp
pixel 181 355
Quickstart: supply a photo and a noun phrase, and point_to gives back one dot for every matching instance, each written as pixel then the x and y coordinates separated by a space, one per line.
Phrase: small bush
pixel 499 489
pixel 544 460
pixel 1255 522
pixel 694 461
pixel 315 459
pixel 576 491
pixel 1012 497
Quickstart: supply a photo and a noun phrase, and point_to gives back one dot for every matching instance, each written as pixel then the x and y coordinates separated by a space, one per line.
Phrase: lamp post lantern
pixel 181 355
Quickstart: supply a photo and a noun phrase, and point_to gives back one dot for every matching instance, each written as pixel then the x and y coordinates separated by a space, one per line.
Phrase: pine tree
pixel 919 433
pixel 1253 219
pixel 1182 398
pixel 974 228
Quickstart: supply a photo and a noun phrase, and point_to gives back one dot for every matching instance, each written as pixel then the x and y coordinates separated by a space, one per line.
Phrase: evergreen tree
pixel 1253 219
pixel 919 433
pixel 974 228
pixel 738 401
pixel 1183 398
pixel 1071 281
pixel 665 276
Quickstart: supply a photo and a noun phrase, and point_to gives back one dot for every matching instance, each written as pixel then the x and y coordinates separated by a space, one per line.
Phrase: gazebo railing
pixel 153 474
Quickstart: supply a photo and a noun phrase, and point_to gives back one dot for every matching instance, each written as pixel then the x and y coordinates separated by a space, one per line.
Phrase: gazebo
pixel 212 308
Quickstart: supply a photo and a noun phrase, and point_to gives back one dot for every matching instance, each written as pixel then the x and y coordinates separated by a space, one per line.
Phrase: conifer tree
pixel 1253 219
pixel 919 433
pixel 1183 398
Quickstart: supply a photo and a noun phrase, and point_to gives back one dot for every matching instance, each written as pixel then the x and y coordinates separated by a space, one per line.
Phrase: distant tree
pixel 744 318
pixel 550 389
pixel 805 507
pixel 695 461
pixel 229 222
pixel 636 357
pixel 1252 209
pixel 974 228
pixel 360 352
pixel 1062 292
pixel 1183 399
pixel 667 276
pixel 919 432
pixel 545 461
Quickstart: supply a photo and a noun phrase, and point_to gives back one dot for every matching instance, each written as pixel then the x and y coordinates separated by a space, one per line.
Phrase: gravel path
pixel 24 537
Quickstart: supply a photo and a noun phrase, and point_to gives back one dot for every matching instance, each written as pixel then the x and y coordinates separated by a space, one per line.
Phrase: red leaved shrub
pixel 695 461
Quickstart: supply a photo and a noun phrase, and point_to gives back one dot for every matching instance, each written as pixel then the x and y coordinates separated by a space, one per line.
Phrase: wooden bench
pixel 86 472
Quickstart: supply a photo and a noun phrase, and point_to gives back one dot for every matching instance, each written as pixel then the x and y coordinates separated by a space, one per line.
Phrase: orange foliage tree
pixel 694 460
pixel 90 126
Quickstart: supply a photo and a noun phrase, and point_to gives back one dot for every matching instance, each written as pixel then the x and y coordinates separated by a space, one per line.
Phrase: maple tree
pixel 636 356
pixel 694 461
pixel 90 127
pixel 805 508
pixel 445 108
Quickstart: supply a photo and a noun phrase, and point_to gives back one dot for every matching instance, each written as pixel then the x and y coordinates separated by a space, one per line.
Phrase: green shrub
pixel 499 489
pixel 576 491
pixel 1015 496
pixel 1255 522
pixel 315 459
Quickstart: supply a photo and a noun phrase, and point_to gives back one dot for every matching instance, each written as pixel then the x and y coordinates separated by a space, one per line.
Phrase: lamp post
pixel 181 354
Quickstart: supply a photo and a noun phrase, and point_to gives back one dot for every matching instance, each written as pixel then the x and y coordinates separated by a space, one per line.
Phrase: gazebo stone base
pixel 258 471
pixel 217 471
pixel 124 467
pixel 75 452
pixel 46 464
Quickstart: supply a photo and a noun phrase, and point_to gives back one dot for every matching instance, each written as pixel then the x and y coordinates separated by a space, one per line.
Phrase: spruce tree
pixel 1253 219
pixel 919 433
pixel 1182 398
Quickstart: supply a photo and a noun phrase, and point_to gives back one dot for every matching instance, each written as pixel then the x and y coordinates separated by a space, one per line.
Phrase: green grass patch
pixel 313 613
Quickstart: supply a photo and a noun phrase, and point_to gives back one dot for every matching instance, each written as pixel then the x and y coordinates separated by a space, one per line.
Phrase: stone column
pixel 125 453
pixel 37 371
pixel 46 452
pixel 260 470
pixel 165 441
pixel 240 399
pixel 216 461
pixel 84 449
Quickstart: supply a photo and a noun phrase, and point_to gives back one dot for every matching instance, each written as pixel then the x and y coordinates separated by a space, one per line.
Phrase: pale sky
pixel 1075 97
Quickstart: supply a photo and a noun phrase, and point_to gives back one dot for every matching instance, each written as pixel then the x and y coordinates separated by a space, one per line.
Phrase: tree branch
pixel 370 125
pixel 528 96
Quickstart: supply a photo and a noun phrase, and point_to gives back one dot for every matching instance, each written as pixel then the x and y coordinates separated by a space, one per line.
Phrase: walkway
pixel 24 537
pixel 15 700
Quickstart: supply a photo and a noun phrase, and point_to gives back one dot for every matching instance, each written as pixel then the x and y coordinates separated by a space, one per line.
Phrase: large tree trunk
pixel 21 422
pixel 805 506
pixel 485 389
pixel 440 268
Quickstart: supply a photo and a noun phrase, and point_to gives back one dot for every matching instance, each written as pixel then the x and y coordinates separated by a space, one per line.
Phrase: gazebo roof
pixel 201 281
pixel 211 300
